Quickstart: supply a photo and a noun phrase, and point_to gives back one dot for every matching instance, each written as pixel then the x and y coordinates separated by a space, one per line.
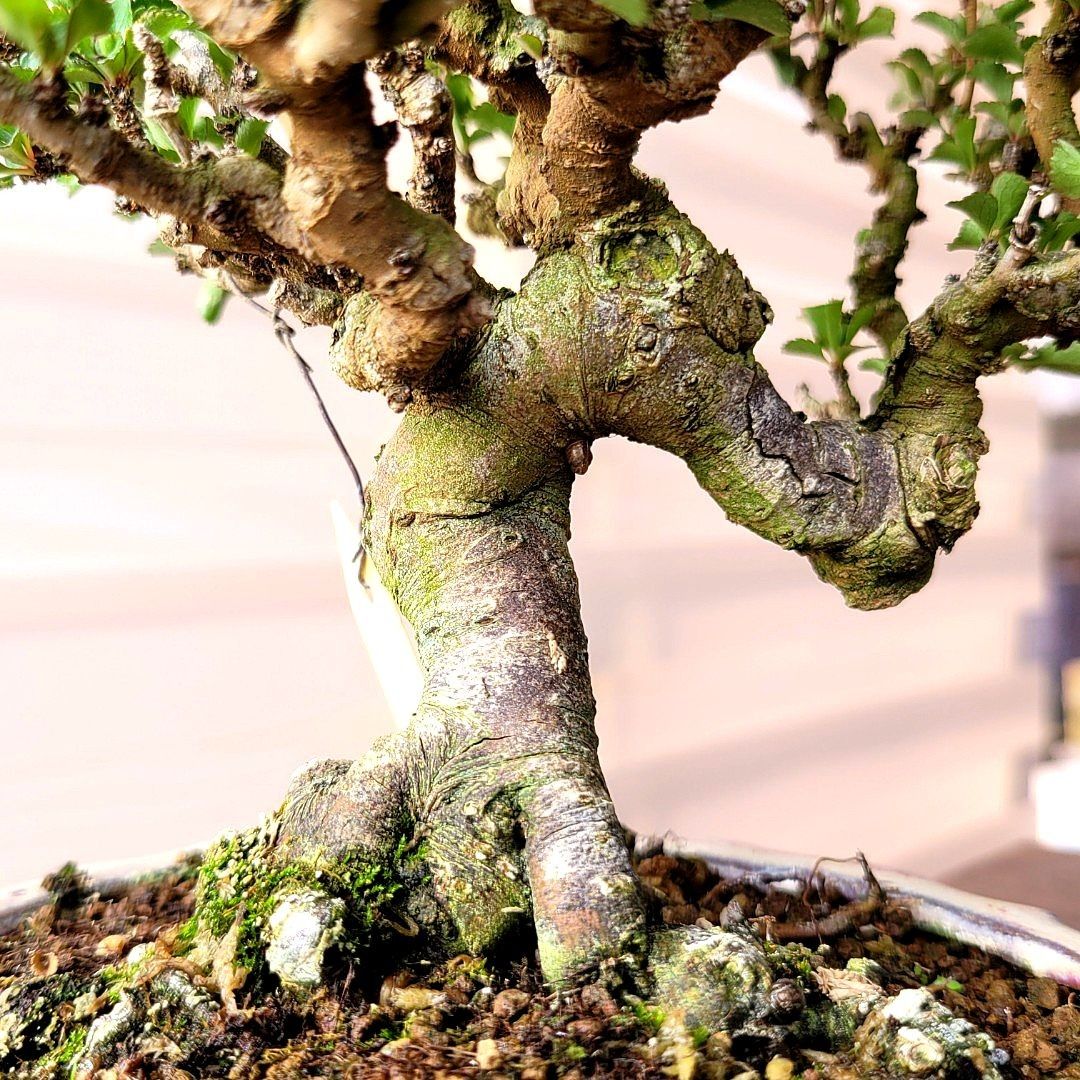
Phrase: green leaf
pixel 918 118
pixel 953 29
pixel 994 42
pixel 996 78
pixel 959 146
pixel 767 15
pixel 1010 190
pixel 123 15
pixel 1055 232
pixel 1053 358
pixel 212 300
pixel 971 235
pixel 250 134
pixel 1011 11
pixel 488 119
pixel 28 23
pixel 532 45
pixel 857 321
pixel 88 18
pixel 837 107
pixel 635 12
pixel 879 23
pixel 1065 169
pixel 981 207
pixel 877 364
pixel 804 347
pixel 827 322
pixel 186 114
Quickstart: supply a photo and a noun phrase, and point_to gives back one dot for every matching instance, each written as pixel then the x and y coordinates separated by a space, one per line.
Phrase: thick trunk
pixel 492 800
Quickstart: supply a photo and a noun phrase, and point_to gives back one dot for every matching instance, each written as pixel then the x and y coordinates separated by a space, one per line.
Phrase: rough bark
pixel 491 807
pixel 639 328
pixel 1052 77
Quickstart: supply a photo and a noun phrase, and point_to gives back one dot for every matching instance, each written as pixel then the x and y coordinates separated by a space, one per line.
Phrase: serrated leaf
pixel 958 146
pixel 993 42
pixel 635 12
pixel 804 347
pixel 1010 190
pixel 858 320
pixel 953 29
pixel 1013 10
pixel 996 78
pixel 1065 169
pixel 919 62
pixel 160 140
pixel 879 23
pixel 250 134
pixel 970 235
pixel 1054 358
pixel 827 322
pixel 767 15
pixel 1055 232
pixel 28 23
pixel 917 118
pixel 88 18
pixel 981 207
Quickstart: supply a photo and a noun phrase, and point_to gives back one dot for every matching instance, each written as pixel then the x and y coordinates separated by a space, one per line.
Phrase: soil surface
pixel 462 1019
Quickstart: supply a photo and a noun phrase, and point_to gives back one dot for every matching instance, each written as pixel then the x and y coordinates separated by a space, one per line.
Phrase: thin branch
pixel 424 109
pixel 236 198
pixel 335 187
pixel 874 278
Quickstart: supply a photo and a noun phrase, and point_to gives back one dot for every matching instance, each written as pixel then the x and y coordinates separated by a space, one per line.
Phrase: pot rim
pixel 1026 936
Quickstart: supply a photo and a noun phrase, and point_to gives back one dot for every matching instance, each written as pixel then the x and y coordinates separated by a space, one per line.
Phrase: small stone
pixel 301 929
pixel 534 1069
pixel 1065 1023
pixel 598 1000
pixel 1000 996
pixel 780 1068
pixel 488 1054
pixel 786 998
pixel 112 945
pixel 585 1030
pixel 1030 1049
pixel 1044 993
pixel 411 999
pixel 718 1046
pixel 510 1003
pixel 917 1053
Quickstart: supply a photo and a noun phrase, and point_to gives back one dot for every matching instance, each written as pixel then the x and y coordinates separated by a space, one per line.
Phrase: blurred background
pixel 174 633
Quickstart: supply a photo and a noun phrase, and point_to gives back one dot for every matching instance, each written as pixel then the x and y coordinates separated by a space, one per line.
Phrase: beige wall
pixel 174 637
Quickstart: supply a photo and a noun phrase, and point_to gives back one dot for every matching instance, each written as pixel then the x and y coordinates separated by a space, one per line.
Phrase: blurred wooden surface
pixel 1029 874
pixel 174 637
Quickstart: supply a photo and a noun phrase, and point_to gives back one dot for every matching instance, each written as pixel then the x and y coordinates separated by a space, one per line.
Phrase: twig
pixel 844 918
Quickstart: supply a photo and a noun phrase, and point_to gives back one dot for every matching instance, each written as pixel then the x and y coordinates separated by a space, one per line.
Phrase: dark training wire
pixel 285 334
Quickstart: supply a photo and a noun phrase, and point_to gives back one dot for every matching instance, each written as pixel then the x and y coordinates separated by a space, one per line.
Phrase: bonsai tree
pixel 488 817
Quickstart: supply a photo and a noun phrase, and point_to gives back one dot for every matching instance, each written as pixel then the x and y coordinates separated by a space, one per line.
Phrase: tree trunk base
pixel 306 966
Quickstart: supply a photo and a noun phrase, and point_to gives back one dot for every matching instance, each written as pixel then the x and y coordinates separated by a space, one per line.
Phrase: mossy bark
pixel 638 328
